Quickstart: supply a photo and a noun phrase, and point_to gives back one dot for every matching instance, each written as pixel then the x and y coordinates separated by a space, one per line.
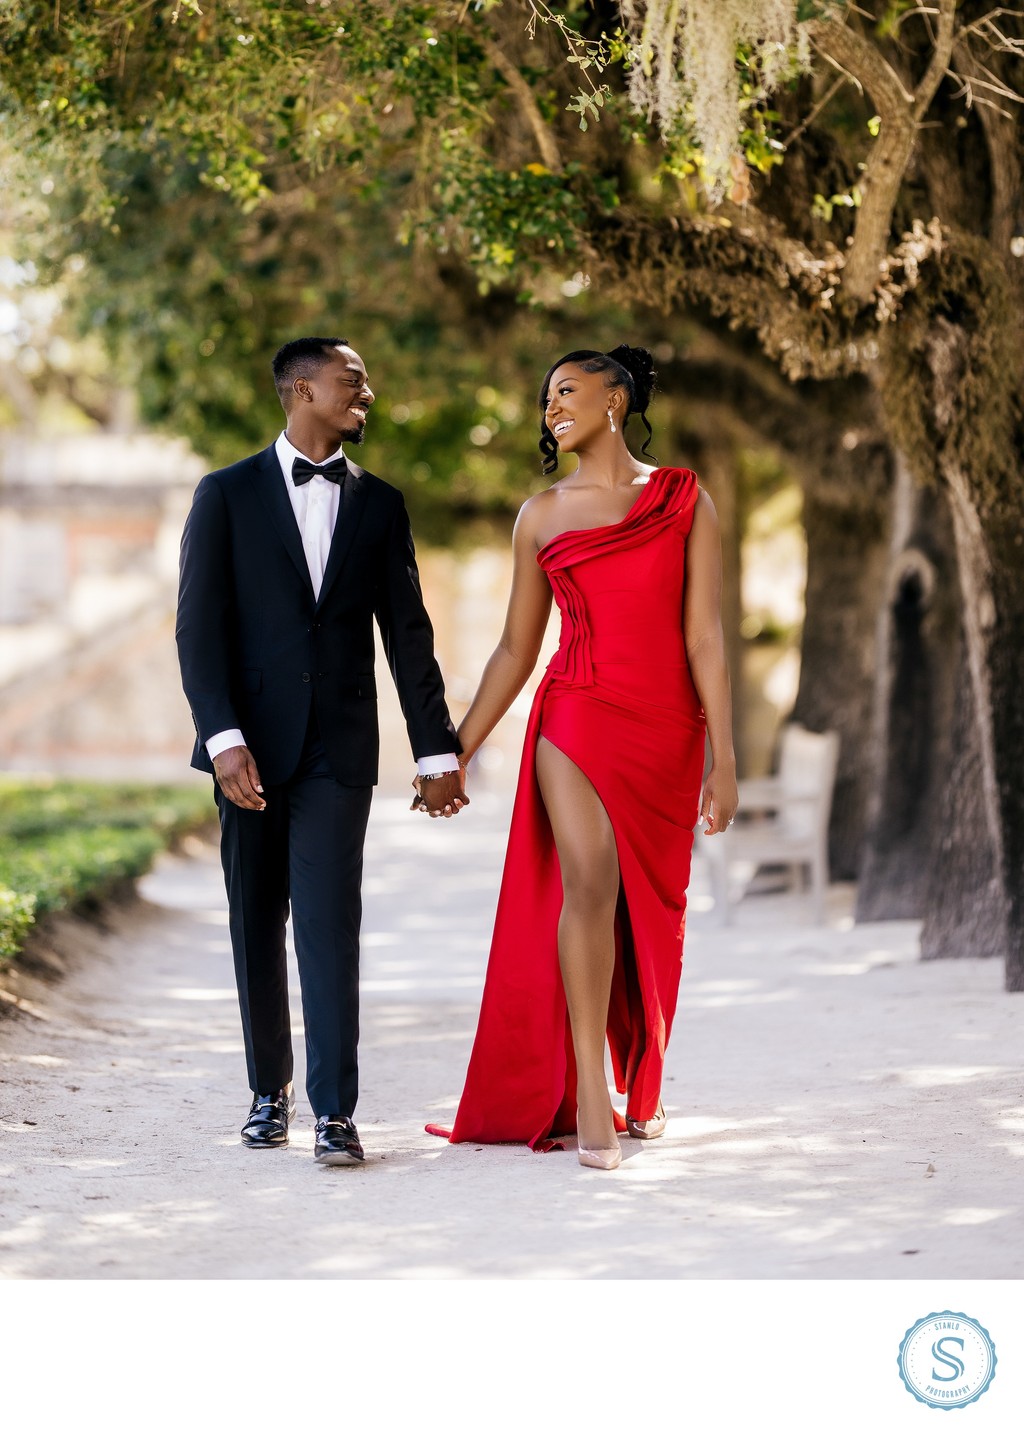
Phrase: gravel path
pixel 837 1108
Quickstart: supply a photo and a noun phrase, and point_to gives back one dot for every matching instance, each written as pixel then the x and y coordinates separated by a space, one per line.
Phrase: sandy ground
pixel 837 1108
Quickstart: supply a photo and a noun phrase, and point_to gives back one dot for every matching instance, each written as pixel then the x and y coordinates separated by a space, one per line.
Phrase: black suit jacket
pixel 256 649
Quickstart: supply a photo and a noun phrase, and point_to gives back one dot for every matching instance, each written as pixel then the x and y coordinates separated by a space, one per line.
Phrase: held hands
pixel 441 797
pixel 235 771
pixel 719 801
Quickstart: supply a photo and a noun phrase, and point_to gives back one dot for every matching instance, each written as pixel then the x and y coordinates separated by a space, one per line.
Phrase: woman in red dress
pixel 587 941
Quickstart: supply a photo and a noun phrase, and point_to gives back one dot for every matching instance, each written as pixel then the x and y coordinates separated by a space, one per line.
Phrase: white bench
pixel 782 820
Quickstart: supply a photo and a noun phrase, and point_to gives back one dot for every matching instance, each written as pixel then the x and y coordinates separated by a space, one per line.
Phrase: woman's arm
pixel 513 660
pixel 705 652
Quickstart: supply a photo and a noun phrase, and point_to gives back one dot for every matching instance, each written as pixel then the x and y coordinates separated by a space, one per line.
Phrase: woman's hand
pixel 719 801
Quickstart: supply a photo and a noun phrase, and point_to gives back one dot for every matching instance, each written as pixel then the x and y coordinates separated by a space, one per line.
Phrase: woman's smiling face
pixel 576 409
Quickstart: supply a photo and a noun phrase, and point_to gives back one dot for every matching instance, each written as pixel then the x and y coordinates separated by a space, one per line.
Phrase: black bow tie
pixel 303 471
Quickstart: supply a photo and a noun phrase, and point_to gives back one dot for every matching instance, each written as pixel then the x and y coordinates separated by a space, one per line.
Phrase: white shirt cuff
pixel 227 738
pixel 438 763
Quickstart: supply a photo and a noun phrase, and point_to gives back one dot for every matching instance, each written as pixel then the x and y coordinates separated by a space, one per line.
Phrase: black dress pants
pixel 304 850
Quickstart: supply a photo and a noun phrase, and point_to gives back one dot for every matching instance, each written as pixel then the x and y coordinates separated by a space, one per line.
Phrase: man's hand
pixel 441 797
pixel 235 771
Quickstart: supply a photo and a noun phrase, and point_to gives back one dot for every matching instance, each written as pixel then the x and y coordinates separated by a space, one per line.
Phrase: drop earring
pixel 611 421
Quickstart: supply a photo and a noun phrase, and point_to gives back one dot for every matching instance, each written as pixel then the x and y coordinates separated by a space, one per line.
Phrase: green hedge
pixel 62 842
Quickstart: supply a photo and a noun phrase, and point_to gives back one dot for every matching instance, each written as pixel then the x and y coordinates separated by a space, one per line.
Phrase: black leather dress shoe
pixel 267 1123
pixel 337 1143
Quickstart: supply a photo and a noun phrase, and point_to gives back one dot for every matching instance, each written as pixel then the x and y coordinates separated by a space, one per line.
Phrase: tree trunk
pixel 1003 691
pixel 925 817
pixel 954 386
pixel 988 878
pixel 964 861
pixel 846 525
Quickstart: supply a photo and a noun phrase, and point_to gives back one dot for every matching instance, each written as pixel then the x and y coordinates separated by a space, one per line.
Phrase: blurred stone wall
pixel 89 530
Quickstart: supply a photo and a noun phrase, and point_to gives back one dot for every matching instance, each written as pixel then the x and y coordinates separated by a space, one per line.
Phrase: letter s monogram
pixel 941 1356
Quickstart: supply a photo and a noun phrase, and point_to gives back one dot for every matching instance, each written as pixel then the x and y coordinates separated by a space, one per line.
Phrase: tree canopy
pixel 506 138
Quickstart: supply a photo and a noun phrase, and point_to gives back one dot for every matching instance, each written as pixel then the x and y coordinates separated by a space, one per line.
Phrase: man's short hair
pixel 300 356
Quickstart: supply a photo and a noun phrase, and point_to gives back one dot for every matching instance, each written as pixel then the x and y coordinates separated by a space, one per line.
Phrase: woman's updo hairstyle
pixel 630 367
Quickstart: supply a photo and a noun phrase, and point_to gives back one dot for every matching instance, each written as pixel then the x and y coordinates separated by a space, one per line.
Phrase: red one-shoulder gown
pixel 618 700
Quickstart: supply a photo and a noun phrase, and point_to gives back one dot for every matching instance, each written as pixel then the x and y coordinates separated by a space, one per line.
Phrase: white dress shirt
pixel 315 506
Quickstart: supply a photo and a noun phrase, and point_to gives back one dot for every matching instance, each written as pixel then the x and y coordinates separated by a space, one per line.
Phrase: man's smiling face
pixel 341 394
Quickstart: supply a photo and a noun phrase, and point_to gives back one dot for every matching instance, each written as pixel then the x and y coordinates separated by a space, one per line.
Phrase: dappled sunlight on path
pixel 836 1108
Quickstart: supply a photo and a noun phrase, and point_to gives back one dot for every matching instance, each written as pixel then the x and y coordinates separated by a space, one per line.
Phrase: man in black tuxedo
pixel 285 560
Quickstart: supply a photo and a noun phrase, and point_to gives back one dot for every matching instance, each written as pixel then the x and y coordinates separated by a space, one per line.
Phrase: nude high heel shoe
pixel 604 1158
pixel 650 1127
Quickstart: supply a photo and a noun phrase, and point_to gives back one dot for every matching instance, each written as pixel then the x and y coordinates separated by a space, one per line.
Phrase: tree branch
pixel 1003 154
pixel 517 84
pixel 900 112
pixel 925 92
pixel 750 273
pixel 889 158
pixel 851 51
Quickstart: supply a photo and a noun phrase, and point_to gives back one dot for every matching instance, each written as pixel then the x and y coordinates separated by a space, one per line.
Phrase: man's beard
pixel 354 436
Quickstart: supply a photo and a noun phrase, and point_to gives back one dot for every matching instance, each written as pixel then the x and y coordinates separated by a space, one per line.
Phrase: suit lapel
pixel 354 493
pixel 269 485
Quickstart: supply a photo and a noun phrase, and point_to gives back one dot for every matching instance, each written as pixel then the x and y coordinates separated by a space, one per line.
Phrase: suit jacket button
pixel 305 678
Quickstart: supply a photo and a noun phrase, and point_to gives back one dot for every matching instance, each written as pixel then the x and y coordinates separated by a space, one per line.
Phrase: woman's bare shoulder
pixel 704 525
pixel 536 510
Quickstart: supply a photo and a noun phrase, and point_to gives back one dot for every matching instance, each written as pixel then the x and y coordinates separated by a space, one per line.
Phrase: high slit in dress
pixel 617 699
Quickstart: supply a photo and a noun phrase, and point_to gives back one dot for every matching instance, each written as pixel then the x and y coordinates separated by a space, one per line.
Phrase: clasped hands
pixel 441 797
pixel 239 780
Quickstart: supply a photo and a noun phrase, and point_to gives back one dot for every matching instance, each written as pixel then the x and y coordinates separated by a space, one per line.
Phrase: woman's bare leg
pixel 586 928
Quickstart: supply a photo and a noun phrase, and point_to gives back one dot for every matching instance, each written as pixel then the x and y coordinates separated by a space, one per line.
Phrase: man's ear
pixel 302 391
